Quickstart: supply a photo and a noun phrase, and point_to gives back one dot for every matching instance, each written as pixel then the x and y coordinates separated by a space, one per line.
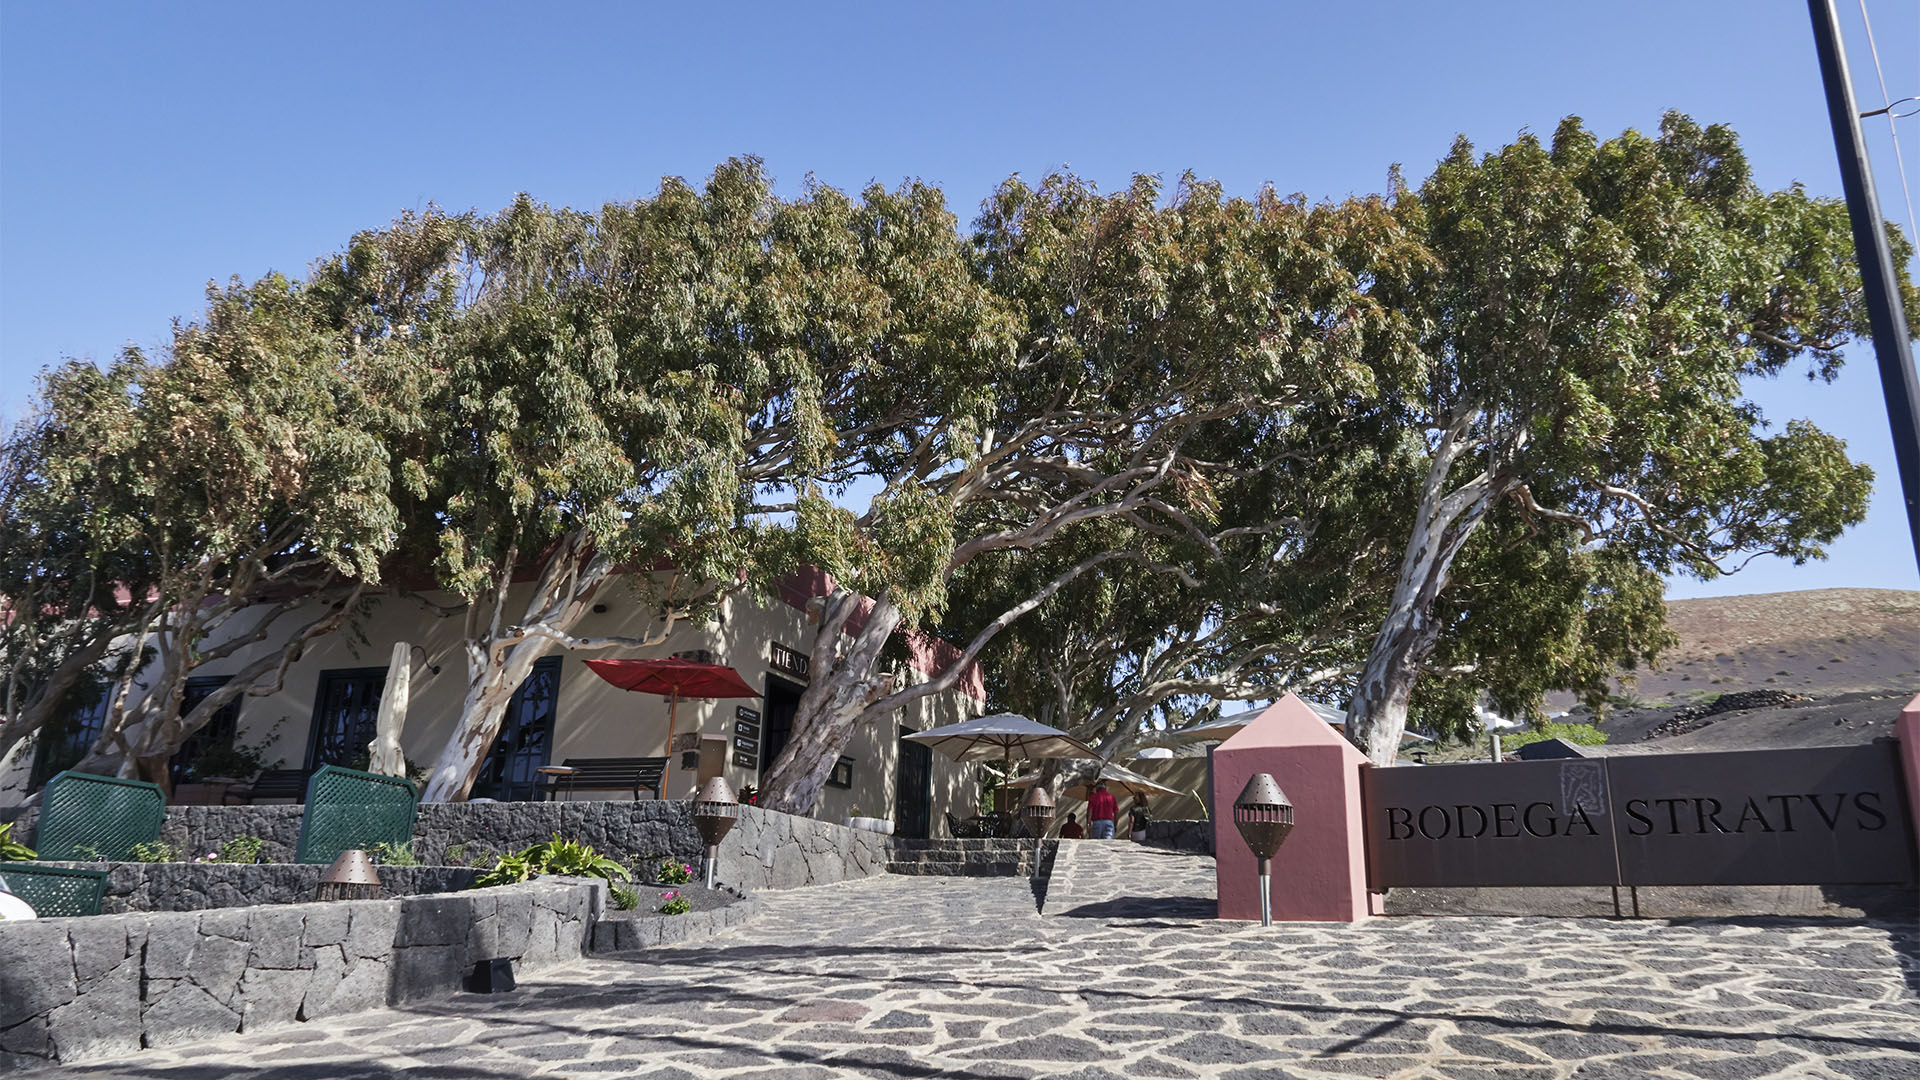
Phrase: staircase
pixel 968 858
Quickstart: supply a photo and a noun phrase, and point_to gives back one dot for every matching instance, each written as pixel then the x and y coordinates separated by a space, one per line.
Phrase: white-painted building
pixel 325 711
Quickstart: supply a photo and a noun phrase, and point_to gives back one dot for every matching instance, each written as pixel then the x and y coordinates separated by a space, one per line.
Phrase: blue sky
pixel 146 149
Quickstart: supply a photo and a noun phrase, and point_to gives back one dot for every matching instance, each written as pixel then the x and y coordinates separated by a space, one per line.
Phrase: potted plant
pixel 871 824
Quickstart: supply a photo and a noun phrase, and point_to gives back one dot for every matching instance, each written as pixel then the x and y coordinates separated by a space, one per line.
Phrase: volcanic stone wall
pixel 105 986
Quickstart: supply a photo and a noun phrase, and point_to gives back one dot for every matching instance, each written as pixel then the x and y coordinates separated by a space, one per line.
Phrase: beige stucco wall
pixel 593 718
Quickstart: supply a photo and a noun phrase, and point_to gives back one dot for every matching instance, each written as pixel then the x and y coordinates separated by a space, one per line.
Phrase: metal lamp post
pixel 1037 811
pixel 1264 817
pixel 715 809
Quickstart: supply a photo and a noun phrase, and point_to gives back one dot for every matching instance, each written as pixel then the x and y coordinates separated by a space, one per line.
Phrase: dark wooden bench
pixel 272 784
pixel 609 774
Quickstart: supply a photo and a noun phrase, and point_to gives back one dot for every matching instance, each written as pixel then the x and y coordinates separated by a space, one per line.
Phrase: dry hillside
pixel 1853 655
pixel 1821 642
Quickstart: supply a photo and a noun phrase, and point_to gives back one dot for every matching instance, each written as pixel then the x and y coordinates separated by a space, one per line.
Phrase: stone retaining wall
pixel 75 989
pixel 133 886
pixel 765 850
pixel 1177 835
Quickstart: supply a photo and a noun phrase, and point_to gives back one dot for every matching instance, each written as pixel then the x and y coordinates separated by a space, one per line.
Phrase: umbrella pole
pixel 673 703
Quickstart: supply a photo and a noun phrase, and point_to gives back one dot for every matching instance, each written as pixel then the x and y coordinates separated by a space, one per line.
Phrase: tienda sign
pixel 1829 815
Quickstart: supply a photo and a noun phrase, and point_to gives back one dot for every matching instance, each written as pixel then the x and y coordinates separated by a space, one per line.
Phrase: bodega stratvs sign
pixel 1829 815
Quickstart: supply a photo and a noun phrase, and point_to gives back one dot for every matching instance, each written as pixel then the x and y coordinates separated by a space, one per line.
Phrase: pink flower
pixel 670 895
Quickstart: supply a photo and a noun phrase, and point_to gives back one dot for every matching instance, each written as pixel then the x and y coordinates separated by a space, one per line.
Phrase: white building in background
pixel 325 710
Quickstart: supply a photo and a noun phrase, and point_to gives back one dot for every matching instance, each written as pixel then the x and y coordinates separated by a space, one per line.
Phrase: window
pixel 64 739
pixel 842 774
pixel 221 730
pixel 526 738
pixel 346 713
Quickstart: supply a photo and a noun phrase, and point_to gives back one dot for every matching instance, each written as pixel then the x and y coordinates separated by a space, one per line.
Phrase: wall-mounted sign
pixel 1814 816
pixel 746 737
pixel 791 661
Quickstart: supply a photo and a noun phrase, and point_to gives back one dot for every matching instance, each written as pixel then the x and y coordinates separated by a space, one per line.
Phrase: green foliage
pixel 1578 734
pixel 673 872
pixel 241 849
pixel 387 854
pixel 457 854
pixel 624 898
pixel 510 869
pixel 674 904
pixel 12 850
pixel 562 858
pixel 155 851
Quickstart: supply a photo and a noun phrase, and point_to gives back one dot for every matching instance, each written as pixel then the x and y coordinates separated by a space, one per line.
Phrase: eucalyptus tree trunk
pixel 1377 715
pixel 500 655
pixel 494 672
pixel 838 694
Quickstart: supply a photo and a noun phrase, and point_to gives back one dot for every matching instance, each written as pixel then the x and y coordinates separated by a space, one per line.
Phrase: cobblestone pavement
pixel 919 977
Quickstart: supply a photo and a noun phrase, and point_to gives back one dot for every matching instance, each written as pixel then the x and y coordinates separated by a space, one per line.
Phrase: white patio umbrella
pixel 1002 737
pixel 1116 777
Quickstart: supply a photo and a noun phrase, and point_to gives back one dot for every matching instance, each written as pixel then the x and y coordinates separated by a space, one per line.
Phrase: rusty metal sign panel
pixel 1820 816
pixel 1520 823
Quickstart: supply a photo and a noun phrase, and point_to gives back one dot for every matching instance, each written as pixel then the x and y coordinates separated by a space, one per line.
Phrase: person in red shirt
pixel 1072 830
pixel 1101 810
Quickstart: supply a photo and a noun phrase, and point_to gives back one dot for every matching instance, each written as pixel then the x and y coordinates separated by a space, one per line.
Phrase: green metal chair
pixel 347 808
pixel 56 891
pixel 85 817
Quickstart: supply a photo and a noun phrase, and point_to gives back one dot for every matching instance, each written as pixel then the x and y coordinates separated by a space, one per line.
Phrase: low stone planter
pixel 109 985
pixel 871 824
pixel 625 931
pixel 187 886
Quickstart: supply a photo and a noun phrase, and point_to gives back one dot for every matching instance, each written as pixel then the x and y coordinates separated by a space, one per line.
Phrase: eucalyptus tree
pixel 1111 333
pixel 1588 312
pixel 227 500
pixel 68 586
pixel 587 426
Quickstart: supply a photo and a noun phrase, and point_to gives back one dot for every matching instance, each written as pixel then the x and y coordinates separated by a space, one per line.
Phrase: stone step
pixel 978 869
pixel 967 858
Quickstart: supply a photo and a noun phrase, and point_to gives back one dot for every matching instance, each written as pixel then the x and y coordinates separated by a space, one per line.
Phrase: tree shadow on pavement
pixel 1146 907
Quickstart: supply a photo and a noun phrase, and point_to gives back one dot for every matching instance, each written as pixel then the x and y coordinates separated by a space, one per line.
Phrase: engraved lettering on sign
pixel 1835 811
pixel 791 661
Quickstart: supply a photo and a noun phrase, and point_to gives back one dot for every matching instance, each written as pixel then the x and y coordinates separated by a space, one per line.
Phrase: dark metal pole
pixel 1877 280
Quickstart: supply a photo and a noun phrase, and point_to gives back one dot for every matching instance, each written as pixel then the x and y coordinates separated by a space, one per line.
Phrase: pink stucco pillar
pixel 1907 730
pixel 1320 873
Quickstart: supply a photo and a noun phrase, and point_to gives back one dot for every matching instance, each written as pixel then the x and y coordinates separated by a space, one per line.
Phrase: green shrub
pixel 157 851
pixel 563 858
pixel 394 854
pixel 674 904
pixel 1578 734
pixel 457 854
pixel 240 849
pixel 674 872
pixel 625 899
pixel 12 850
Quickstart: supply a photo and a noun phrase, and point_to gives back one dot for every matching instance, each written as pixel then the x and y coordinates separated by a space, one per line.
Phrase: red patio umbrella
pixel 674 679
